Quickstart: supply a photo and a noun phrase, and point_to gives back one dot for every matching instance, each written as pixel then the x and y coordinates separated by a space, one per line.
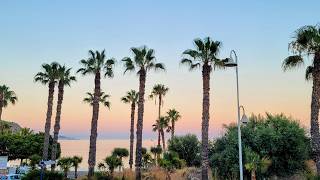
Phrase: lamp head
pixel 229 62
pixel 244 119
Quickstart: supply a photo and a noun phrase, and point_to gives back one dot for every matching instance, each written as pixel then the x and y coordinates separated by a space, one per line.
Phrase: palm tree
pixel 65 164
pixel 49 77
pixel 132 98
pixel 95 65
pixel 159 91
pixel 204 55
pixel 306 43
pixel 173 116
pixel 6 96
pixel 156 151
pixel 65 79
pixel 76 160
pixel 112 163
pixel 120 153
pixel 161 124
pixel 144 61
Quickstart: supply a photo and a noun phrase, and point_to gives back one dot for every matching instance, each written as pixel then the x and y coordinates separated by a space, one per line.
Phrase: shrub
pixel 274 137
pixel 187 147
pixel 48 175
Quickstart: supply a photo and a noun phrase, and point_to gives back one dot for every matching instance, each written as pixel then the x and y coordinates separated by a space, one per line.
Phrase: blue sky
pixel 33 32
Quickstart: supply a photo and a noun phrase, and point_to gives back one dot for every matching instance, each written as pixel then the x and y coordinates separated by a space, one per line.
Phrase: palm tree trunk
pixel 172 129
pixel 48 122
pixel 75 172
pixel 65 174
pixel 57 124
pixel 142 81
pixel 159 137
pixel 133 109
pixel 1 105
pixel 315 105
pixel 253 175
pixel 205 120
pixel 94 126
pixel 163 140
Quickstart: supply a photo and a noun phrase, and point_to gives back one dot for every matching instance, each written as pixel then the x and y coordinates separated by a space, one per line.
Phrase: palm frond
pixel 292 61
pixel 309 71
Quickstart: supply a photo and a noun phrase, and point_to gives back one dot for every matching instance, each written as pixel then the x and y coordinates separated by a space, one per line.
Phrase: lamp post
pixel 233 62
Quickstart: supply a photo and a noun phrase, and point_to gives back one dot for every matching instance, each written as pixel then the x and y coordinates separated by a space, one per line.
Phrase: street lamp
pixel 233 62
pixel 244 118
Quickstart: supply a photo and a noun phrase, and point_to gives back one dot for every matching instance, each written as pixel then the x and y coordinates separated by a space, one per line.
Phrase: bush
pixel 48 175
pixel 275 137
pixel 187 147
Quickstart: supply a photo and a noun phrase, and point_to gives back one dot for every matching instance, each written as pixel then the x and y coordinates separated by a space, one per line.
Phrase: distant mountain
pixel 66 138
pixel 14 127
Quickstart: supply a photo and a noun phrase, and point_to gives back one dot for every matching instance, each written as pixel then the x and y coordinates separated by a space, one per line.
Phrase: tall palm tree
pixel 6 96
pixel 161 124
pixel 159 91
pixel 95 65
pixel 132 98
pixel 205 56
pixel 76 160
pixel 306 42
pixel 48 76
pixel 173 116
pixel 143 61
pixel 65 78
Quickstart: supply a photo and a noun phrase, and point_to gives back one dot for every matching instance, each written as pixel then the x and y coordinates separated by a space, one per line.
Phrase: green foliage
pixel 15 144
pixel 157 150
pixel 112 162
pixel 171 161
pixel 120 152
pixel 65 164
pixel 8 96
pixel 275 137
pixel 48 175
pixel 187 147
pixel 34 160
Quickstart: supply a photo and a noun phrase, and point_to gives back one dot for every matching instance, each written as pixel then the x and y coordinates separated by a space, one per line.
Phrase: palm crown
pixel 103 99
pixel 96 63
pixel 64 75
pixel 306 42
pixel 8 96
pixel 49 74
pixel 158 90
pixel 130 97
pixel 160 124
pixel 205 53
pixel 173 115
pixel 144 60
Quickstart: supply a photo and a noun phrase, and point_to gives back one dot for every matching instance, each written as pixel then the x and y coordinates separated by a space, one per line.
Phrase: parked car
pixel 10 177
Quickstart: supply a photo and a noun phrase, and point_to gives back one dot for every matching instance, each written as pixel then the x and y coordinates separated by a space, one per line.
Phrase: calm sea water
pixel 104 149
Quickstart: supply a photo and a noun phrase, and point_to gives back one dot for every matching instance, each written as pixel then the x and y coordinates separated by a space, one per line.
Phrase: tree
pixel 306 43
pixel 65 164
pixel 156 151
pixel 112 163
pixel 159 91
pixel 48 76
pixel 173 116
pixel 34 161
pixel 76 160
pixel 281 144
pixel 187 147
pixel 65 79
pixel 6 96
pixel 143 61
pixel 205 55
pixel 255 162
pixel 160 125
pixel 120 153
pixel 95 65
pixel 132 98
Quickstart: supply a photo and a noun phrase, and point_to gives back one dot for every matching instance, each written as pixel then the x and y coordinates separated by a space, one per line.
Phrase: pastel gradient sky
pixel 35 32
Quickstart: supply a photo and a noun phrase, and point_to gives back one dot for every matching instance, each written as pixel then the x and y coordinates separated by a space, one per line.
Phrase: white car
pixel 10 177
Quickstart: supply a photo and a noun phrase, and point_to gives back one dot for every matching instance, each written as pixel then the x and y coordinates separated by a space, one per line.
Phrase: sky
pixel 36 32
